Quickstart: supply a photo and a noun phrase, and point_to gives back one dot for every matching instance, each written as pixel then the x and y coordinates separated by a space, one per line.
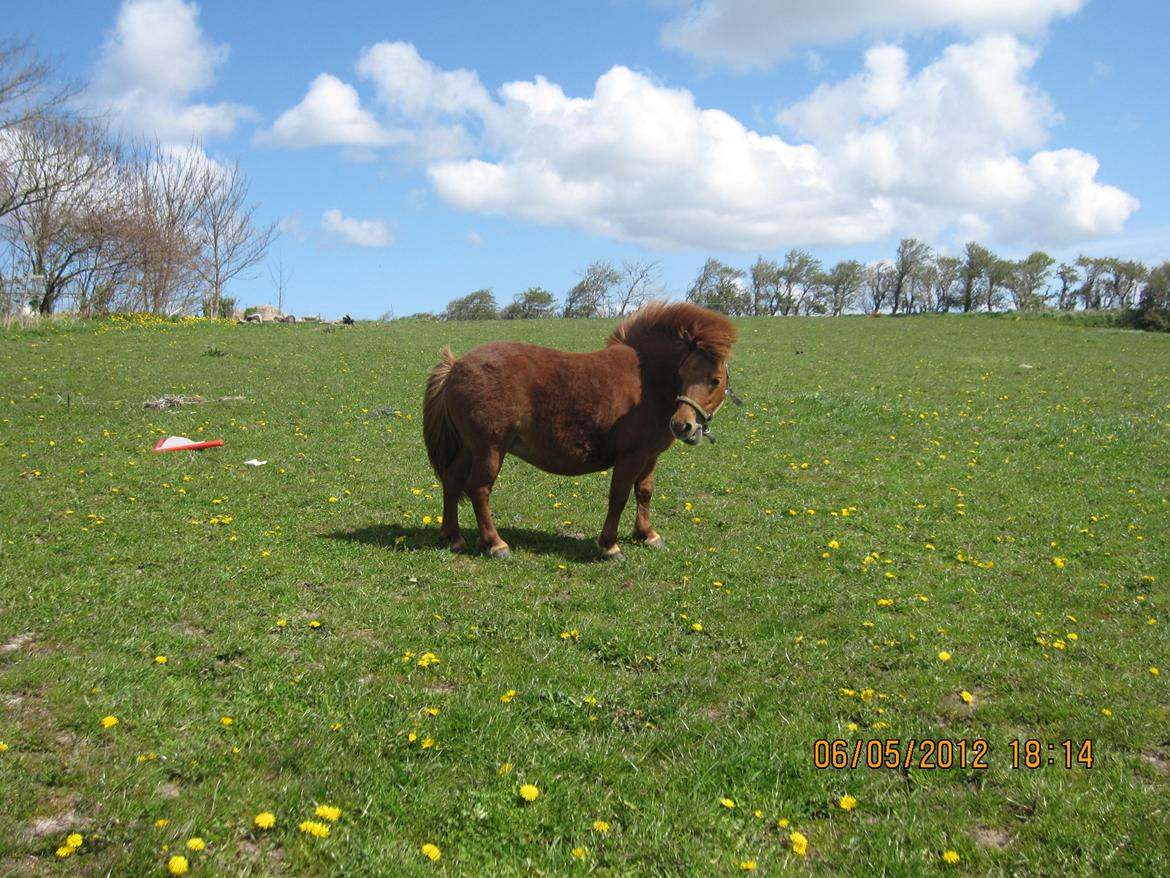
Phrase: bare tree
pixel 280 279
pixel 639 282
pixel 70 165
pixel 231 241
pixel 167 190
pixel 27 96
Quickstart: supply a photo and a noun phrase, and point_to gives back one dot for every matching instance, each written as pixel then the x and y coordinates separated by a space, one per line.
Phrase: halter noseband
pixel 702 415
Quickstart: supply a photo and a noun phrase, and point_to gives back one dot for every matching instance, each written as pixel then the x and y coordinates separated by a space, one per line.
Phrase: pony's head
pixel 702 340
pixel 702 390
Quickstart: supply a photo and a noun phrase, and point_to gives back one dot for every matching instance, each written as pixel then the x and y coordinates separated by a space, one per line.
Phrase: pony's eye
pixel 714 383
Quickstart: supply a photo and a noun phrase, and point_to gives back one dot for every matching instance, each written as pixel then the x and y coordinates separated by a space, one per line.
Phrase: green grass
pixel 951 461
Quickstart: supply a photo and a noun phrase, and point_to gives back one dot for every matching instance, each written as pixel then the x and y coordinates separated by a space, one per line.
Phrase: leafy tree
pixel 976 265
pixel 948 271
pixel 534 302
pixel 720 287
pixel 590 295
pixel 765 275
pixel 842 285
pixel 879 279
pixel 1068 276
pixel 912 255
pixel 799 276
pixel 1156 294
pixel 1026 277
pixel 480 305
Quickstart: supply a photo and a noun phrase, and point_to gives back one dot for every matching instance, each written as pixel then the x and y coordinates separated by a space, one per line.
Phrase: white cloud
pixel 329 114
pixel 408 84
pixel 425 108
pixel 755 33
pixel 152 64
pixel 356 232
pixel 954 141
pixel 955 147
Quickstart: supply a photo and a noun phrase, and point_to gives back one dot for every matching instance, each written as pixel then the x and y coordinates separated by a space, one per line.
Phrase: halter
pixel 702 415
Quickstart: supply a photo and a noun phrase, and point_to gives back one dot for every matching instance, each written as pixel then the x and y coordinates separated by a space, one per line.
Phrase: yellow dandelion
pixel 108 722
pixel 944 656
pixel 696 626
pixel 314 828
pixel 196 844
pixel 529 792
pixel 580 853
pixel 265 820
pixel 3 746
pixel 600 826
pixel 966 696
pixel 226 720
pixel 1154 671
pixel 504 768
pixel 328 812
pixel 951 857
pixel 1106 711
pixel 177 865
pixel 74 840
pixel 799 843
pixel 1058 563
pixel 160 659
pixel 727 803
pixel 508 696
pixel 162 823
pixel 431 852
pixel 749 865
pixel 65 851
pixel 847 802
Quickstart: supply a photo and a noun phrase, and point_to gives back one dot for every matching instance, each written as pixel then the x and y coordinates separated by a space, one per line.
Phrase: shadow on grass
pixel 522 540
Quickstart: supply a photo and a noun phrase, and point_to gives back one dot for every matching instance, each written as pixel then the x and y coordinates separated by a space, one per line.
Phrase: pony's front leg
pixel 643 491
pixel 624 474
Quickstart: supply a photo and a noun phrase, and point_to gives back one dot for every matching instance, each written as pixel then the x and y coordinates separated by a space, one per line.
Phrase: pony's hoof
pixel 613 553
pixel 655 542
pixel 458 545
pixel 500 552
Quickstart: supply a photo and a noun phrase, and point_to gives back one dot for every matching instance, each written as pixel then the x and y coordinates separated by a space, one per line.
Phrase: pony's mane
pixel 708 331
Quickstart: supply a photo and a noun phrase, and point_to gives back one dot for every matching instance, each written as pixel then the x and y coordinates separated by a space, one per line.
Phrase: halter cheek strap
pixel 702 415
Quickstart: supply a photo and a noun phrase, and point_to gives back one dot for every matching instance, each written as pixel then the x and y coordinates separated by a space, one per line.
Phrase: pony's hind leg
pixel 454 481
pixel 485 466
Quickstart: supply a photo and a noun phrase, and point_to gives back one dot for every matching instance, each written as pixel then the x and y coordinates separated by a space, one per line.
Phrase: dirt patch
pixel 1159 759
pixel 169 790
pixel 20 641
pixel 59 824
pixel 991 837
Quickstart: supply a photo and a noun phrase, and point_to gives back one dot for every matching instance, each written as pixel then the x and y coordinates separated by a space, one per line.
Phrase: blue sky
pixel 412 153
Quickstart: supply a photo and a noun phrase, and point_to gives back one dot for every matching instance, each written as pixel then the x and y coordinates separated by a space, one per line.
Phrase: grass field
pixel 933 529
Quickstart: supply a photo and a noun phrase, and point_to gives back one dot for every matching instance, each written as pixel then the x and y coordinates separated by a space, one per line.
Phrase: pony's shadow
pixel 397 537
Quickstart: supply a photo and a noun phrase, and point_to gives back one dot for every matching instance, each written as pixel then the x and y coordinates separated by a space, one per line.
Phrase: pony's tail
pixel 442 439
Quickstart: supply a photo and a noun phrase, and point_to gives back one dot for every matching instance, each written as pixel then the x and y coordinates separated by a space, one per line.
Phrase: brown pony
pixel 661 376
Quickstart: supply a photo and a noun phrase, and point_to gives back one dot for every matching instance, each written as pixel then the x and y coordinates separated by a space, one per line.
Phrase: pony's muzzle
pixel 688 431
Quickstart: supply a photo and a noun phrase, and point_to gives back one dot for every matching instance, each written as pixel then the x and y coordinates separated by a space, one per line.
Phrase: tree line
pixel 109 225
pixel 916 281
